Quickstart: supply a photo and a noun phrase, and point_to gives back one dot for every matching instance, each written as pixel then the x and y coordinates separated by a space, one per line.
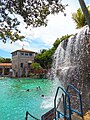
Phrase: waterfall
pixel 71 63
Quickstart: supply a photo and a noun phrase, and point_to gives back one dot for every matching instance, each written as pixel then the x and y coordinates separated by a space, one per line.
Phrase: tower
pixel 21 60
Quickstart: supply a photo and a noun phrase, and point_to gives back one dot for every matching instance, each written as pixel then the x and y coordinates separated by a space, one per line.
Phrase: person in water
pixel 28 90
pixel 38 88
pixel 42 95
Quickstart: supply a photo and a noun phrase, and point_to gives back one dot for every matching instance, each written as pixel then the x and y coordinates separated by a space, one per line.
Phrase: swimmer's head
pixel 27 89
pixel 42 95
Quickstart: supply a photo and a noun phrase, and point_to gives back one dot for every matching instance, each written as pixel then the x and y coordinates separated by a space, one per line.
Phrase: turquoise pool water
pixel 15 100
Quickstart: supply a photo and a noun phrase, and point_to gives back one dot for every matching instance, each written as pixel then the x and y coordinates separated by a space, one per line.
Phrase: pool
pixel 15 100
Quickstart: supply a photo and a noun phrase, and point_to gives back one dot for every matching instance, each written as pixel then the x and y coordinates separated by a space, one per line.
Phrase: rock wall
pixel 71 64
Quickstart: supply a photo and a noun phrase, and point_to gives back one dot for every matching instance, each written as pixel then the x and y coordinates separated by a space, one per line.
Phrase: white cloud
pixel 58 25
pixel 12 47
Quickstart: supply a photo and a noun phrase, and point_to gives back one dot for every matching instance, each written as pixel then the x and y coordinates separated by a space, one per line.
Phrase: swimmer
pixel 38 88
pixel 42 95
pixel 28 90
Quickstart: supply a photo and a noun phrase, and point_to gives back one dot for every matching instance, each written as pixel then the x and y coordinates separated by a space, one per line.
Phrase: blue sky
pixel 44 37
pixel 5 54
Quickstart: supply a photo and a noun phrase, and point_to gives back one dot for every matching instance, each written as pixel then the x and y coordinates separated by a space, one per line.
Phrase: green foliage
pixel 56 43
pixel 5 60
pixel 85 11
pixel 42 51
pixel 8 26
pixel 45 56
pixel 79 18
pixel 35 66
pixel 5 33
pixel 65 37
pixel 33 12
pixel 59 40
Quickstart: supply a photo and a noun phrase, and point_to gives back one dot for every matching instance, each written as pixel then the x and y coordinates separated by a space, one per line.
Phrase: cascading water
pixel 71 64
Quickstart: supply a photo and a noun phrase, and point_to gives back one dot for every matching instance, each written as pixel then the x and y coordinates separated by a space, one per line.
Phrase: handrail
pixel 69 85
pixel 27 113
pixel 64 102
pixel 80 98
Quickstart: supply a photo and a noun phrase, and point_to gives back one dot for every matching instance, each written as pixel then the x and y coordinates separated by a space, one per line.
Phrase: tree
pixel 5 60
pixel 79 18
pixel 56 43
pixel 44 58
pixel 35 66
pixel 59 40
pixel 85 11
pixel 33 12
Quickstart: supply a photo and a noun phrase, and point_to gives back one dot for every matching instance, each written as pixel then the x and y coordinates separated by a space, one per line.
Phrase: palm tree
pixel 85 11
pixel 79 18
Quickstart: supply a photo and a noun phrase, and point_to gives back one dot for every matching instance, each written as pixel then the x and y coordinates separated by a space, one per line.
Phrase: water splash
pixel 71 63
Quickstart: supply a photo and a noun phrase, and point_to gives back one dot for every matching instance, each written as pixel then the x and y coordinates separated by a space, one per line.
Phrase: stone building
pixel 5 69
pixel 21 60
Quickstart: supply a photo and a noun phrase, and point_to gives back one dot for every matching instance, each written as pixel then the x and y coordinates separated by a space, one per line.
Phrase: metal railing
pixel 64 104
pixel 27 113
pixel 79 97
pixel 67 103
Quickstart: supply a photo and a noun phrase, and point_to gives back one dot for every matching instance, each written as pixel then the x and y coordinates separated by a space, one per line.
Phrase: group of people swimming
pixel 37 88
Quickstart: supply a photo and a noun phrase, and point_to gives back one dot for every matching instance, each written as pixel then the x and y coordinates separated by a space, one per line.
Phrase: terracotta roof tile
pixel 23 50
pixel 6 64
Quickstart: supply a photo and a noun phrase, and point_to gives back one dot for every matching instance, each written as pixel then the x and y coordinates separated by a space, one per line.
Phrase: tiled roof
pixel 23 50
pixel 5 64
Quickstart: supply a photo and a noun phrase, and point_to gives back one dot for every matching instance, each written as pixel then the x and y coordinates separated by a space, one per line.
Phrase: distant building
pixel 5 68
pixel 21 60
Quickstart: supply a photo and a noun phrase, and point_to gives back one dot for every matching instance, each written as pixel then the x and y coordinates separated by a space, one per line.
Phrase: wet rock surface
pixel 71 64
pixel 85 117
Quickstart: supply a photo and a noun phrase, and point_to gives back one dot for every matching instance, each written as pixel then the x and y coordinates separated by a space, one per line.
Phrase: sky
pixel 43 37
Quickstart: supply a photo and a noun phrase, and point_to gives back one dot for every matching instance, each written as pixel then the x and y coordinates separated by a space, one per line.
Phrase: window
pixel 29 65
pixel 22 65
pixel 22 53
pixel 30 54
pixel 26 54
pixel 15 53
